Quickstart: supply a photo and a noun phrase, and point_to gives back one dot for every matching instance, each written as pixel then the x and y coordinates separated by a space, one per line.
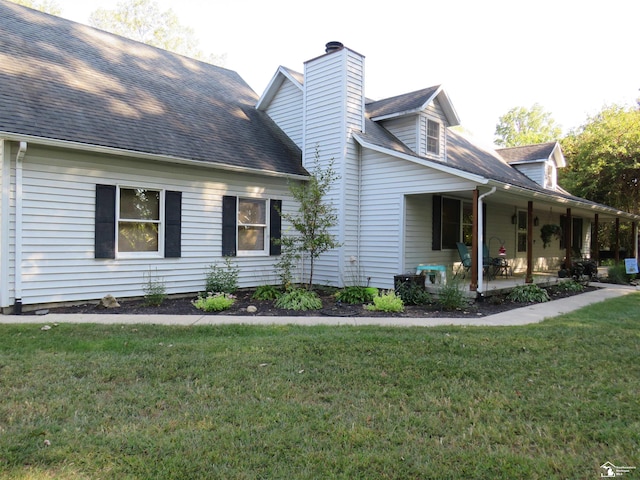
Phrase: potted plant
pixel 547 231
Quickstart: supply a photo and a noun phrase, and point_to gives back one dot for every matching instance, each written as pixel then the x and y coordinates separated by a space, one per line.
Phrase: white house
pixel 119 161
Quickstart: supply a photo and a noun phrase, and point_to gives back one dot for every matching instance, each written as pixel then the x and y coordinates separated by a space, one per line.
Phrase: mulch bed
pixel 184 306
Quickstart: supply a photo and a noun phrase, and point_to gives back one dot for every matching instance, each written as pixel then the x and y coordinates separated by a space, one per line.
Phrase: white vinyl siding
pixel 396 195
pixel 58 226
pixel 334 103
pixel 533 170
pixel 286 110
pixel 405 129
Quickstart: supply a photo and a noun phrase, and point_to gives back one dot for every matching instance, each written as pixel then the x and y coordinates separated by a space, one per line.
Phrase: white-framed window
pixel 139 215
pixel 433 137
pixel 550 176
pixel 253 234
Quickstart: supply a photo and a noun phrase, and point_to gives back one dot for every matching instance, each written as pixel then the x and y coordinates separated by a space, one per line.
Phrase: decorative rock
pixel 252 309
pixel 109 301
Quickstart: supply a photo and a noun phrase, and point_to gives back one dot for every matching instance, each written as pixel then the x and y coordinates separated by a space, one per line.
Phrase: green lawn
pixel 553 400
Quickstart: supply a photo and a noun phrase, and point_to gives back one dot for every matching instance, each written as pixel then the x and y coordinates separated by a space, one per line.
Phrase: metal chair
pixel 465 260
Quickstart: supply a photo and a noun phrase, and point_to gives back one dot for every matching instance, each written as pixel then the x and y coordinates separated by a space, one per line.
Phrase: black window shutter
pixel 275 225
pixel 436 241
pixel 173 224
pixel 105 222
pixel 229 225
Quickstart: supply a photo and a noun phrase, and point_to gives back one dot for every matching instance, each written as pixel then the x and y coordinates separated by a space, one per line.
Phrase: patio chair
pixel 465 260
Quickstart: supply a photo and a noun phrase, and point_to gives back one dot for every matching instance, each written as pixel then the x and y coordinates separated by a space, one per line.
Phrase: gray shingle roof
pixel 527 153
pixel 408 102
pixel 465 155
pixel 65 81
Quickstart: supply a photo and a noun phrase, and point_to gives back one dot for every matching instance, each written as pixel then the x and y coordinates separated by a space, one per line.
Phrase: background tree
pixel 520 126
pixel 46 6
pixel 603 160
pixel 315 217
pixel 142 20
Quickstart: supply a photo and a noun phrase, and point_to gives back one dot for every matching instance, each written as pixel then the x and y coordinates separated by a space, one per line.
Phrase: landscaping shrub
pixel 214 302
pixel 451 296
pixel 155 291
pixel 222 278
pixel 266 292
pixel 387 302
pixel 412 293
pixel 618 274
pixel 299 299
pixel 528 293
pixel 568 286
pixel 356 294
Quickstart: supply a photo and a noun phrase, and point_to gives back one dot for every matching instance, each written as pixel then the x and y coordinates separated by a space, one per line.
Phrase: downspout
pixel 480 252
pixel 17 306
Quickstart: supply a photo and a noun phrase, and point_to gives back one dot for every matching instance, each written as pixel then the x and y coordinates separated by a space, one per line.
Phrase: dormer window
pixel 433 137
pixel 550 176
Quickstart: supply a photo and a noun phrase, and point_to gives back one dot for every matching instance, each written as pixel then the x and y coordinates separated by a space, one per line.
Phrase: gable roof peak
pixel 537 152
pixel 412 103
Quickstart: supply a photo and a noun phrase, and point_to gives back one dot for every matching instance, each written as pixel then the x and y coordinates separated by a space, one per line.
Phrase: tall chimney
pixel 333 47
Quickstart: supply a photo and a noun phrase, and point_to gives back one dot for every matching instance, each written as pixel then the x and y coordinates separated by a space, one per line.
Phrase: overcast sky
pixel 572 57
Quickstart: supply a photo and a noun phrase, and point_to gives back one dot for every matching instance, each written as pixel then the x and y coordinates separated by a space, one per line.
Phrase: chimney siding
pixel 333 111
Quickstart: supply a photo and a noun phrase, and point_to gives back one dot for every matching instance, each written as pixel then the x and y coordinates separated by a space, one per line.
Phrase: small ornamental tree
pixel 315 216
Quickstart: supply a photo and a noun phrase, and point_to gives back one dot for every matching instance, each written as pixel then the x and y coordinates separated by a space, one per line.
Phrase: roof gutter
pixel 526 193
pixel 86 147
pixel 17 306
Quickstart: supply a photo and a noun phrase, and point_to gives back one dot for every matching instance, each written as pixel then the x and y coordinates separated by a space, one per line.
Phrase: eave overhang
pixel 48 142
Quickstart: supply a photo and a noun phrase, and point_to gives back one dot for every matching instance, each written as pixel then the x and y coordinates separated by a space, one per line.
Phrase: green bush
pixel 266 292
pixel 356 294
pixel 155 291
pixel 412 293
pixel 530 293
pixel 222 278
pixel 299 299
pixel 451 296
pixel 387 302
pixel 618 274
pixel 214 302
pixel 568 286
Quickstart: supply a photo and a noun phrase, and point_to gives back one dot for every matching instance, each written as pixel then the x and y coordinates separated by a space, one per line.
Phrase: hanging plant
pixel 547 231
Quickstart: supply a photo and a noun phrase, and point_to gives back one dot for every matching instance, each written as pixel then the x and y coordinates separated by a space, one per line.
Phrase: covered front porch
pixel 499 285
pixel 511 226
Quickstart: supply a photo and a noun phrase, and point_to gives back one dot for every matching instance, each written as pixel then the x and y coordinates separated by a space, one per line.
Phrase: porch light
pixel 514 219
pixel 536 221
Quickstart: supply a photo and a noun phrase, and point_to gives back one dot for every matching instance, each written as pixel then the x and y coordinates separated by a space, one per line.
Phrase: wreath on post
pixel 547 231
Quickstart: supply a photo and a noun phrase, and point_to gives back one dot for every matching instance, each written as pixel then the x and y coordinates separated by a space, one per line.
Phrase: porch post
pixel 617 254
pixel 567 239
pixel 529 276
pixel 474 244
pixel 595 252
